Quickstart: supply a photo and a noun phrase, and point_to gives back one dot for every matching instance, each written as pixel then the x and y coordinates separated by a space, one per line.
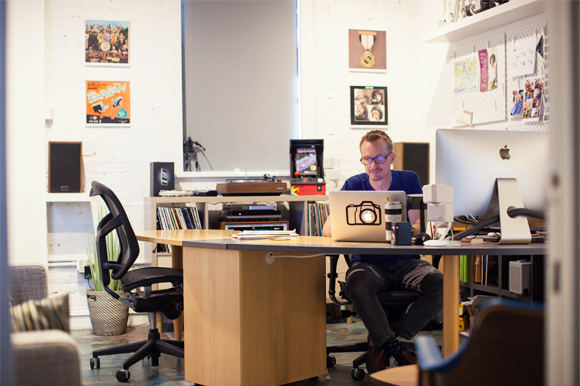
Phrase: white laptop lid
pixel 360 215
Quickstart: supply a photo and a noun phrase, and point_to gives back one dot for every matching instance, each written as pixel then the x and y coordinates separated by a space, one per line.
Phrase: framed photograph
pixel 368 105
pixel 107 43
pixel 108 103
pixel 367 50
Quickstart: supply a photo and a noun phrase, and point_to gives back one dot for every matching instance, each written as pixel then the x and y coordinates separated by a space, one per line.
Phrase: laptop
pixel 360 215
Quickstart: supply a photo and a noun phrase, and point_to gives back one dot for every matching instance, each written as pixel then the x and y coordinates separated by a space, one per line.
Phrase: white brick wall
pixel 120 157
pixel 117 157
pixel 331 20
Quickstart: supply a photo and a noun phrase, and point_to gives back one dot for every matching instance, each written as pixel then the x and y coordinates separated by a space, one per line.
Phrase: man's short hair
pixel 375 135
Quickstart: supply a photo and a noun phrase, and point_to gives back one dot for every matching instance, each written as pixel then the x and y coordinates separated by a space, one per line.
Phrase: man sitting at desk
pixel 369 273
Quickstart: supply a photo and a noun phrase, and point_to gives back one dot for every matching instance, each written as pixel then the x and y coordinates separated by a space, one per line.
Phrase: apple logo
pixel 368 216
pixel 505 153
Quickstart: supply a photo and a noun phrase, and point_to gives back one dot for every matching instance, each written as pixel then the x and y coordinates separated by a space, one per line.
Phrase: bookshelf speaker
pixel 65 167
pixel 413 156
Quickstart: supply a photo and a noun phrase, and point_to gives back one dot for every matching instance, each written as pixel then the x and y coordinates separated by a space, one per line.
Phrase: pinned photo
pixel 533 99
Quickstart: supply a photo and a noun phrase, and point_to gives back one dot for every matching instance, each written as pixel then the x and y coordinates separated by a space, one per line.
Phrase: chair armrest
pixel 429 354
pixel 430 357
pixel 49 357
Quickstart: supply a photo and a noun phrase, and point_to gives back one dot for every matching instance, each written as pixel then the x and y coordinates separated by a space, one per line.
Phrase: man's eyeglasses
pixel 380 159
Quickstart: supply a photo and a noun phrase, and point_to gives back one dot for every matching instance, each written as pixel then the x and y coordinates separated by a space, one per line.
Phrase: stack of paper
pixel 272 235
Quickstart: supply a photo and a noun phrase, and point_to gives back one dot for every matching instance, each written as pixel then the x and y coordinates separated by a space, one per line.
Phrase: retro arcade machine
pixel 306 169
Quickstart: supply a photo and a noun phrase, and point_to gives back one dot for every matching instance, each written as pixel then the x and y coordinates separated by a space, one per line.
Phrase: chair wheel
pixel 357 374
pixel 330 361
pixel 95 362
pixel 123 375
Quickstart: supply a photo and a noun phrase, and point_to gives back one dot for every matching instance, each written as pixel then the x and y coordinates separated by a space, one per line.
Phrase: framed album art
pixel 108 103
pixel 367 50
pixel 368 105
pixel 107 43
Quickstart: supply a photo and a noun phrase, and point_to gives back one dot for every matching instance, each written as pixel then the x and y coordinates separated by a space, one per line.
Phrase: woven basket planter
pixel 108 315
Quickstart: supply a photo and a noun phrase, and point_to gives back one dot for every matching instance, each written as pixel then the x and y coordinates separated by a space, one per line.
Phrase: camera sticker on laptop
pixel 365 213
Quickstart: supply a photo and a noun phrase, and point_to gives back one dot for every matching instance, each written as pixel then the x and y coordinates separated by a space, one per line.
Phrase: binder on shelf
pixel 465 268
pixel 477 276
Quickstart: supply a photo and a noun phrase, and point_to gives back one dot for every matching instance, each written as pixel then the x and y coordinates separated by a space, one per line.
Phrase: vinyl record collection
pixel 186 217
pixel 316 217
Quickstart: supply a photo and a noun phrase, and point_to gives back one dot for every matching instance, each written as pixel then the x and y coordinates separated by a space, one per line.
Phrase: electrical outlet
pixel 81 265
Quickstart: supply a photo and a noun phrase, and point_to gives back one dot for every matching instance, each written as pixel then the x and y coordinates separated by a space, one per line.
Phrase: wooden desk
pixel 248 322
pixel 397 376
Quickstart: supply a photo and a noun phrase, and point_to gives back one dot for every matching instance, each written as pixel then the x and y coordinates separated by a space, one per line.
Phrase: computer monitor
pixel 470 161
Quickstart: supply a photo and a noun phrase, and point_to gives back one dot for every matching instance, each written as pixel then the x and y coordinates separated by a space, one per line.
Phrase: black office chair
pixel 136 284
pixel 393 302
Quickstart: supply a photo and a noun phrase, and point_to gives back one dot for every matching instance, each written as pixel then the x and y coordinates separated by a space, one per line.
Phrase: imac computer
pixel 494 172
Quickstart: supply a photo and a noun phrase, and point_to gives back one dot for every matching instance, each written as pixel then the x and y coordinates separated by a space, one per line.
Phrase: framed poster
pixel 108 103
pixel 107 43
pixel 367 50
pixel 368 105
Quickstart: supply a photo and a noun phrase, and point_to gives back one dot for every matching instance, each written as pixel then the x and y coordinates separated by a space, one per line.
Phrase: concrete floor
pixel 170 370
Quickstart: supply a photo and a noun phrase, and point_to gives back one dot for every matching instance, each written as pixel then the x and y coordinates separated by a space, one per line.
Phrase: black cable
pixel 516 212
pixel 526 212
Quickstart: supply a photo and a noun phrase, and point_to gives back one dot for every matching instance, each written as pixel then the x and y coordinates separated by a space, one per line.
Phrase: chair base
pixel 153 347
pixel 357 373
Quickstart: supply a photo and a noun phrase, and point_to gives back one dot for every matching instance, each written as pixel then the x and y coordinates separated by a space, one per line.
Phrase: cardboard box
pixel 464 321
pixel 473 306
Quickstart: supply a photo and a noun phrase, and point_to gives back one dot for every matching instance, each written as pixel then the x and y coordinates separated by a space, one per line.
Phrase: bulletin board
pixel 487 106
pixel 536 30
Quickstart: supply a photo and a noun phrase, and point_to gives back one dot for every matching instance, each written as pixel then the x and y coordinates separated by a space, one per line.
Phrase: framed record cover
pixel 107 43
pixel 368 105
pixel 367 50
pixel 108 103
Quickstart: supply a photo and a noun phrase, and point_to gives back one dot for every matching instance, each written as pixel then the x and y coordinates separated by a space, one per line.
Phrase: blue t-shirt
pixel 404 180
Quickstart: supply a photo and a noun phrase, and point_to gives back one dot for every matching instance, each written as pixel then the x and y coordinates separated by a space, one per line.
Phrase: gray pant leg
pixel 420 276
pixel 363 282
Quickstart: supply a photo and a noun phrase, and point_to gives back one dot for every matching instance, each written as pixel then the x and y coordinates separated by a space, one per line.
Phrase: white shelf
pixel 496 17
pixel 231 174
pixel 68 197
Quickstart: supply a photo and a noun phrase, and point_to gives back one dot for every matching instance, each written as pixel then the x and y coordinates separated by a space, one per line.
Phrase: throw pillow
pixel 46 314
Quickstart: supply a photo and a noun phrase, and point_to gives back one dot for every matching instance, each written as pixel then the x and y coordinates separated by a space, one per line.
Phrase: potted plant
pixel 108 315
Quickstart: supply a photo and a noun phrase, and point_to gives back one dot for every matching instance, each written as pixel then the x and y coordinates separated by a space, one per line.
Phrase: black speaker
pixel 65 167
pixel 413 156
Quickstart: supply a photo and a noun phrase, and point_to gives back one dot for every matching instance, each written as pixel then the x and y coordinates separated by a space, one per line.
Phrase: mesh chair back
pixel 118 221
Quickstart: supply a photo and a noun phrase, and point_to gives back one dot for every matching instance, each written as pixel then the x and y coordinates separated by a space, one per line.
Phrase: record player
pixel 268 186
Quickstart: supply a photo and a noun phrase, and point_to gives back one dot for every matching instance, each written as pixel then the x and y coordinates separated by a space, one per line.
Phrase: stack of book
pixel 485 270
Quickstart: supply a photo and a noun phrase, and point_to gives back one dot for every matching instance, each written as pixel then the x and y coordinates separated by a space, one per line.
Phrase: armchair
pixel 506 348
pixel 136 283
pixel 40 358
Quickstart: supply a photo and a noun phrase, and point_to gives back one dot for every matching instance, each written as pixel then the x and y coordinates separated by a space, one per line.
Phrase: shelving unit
pixel 67 260
pixel 501 290
pixel 493 18
pixel 297 207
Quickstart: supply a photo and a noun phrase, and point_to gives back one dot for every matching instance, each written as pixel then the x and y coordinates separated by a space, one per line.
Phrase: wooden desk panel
pixel 248 322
